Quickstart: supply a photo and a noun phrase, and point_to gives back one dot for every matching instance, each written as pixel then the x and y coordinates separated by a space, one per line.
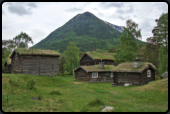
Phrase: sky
pixel 39 19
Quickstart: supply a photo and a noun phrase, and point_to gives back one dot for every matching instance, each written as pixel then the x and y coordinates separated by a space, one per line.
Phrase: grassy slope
pixel 76 95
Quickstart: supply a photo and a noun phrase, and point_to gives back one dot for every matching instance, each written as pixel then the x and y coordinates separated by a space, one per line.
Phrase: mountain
pixel 118 28
pixel 87 31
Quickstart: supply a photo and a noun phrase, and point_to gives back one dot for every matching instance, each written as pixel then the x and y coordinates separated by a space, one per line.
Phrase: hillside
pixel 57 95
pixel 87 31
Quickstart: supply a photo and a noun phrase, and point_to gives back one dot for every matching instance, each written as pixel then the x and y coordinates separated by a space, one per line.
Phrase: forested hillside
pixel 86 30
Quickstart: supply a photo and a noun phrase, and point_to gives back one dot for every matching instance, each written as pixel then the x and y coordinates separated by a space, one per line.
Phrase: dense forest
pixel 87 31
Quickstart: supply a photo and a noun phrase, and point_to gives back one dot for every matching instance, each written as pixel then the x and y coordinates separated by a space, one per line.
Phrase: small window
pixel 94 75
pixel 148 73
pixel 112 75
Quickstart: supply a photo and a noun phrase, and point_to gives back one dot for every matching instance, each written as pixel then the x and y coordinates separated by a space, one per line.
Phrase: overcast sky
pixel 39 19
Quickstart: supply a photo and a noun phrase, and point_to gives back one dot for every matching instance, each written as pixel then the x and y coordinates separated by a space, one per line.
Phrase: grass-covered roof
pixel 94 55
pixel 31 51
pixel 123 67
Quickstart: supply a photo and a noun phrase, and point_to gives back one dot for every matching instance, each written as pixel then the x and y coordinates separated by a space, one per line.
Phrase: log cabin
pixel 92 58
pixel 35 61
pixel 7 65
pixel 127 72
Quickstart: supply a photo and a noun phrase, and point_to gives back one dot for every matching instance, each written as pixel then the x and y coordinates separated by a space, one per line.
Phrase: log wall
pixel 133 78
pixel 82 75
pixel 106 62
pixel 16 63
pixel 86 60
pixel 40 65
pixel 102 77
pixel 7 68
pixel 145 79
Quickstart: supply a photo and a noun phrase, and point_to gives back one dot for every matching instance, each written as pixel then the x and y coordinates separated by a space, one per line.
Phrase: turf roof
pixel 95 55
pixel 23 51
pixel 123 67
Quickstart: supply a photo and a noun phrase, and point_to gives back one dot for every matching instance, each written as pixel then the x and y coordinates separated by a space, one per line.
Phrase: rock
pixel 36 98
pixel 164 75
pixel 108 109
pixel 164 80
pixel 126 84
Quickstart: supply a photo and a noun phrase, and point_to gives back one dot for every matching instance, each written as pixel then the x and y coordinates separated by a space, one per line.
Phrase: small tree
pixel 126 51
pixel 22 40
pixel 71 55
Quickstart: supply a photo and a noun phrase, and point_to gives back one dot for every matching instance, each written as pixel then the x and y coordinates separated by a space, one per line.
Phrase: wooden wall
pixel 86 60
pixel 102 77
pixel 133 78
pixel 7 68
pixel 81 75
pixel 145 79
pixel 16 63
pixel 40 65
pixel 106 62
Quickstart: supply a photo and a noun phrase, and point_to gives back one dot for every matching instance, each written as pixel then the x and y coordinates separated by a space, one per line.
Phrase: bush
pixel 84 109
pixel 31 84
pixel 95 102
pixel 55 92
pixel 40 97
pixel 14 81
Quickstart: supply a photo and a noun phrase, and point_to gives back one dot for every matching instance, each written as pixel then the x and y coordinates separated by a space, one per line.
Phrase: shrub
pixel 53 74
pixel 84 109
pixel 95 102
pixel 31 84
pixel 14 81
pixel 55 92
pixel 40 97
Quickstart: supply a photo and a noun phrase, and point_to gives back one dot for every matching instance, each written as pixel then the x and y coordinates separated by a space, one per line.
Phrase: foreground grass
pixel 65 94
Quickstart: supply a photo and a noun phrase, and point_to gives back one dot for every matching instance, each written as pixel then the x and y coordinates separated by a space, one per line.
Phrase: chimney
pixel 136 63
pixel 101 64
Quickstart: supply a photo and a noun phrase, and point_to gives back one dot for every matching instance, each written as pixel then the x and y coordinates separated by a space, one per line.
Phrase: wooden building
pixel 92 58
pixel 7 65
pixel 35 62
pixel 121 74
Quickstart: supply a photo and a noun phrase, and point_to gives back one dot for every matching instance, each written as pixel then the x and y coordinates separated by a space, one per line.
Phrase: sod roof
pixel 109 56
pixel 23 51
pixel 123 67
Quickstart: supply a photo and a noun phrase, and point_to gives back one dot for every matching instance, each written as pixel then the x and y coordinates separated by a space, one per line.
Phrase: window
pixel 112 75
pixel 94 75
pixel 148 73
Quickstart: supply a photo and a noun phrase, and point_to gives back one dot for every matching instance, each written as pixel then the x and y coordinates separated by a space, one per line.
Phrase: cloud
pixel 112 4
pixel 129 10
pixel 19 10
pixel 32 4
pixel 3 27
pixel 74 9
pixel 3 12
pixel 121 17
pixel 100 14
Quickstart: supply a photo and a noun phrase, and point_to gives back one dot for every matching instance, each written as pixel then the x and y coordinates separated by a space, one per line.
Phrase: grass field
pixel 65 94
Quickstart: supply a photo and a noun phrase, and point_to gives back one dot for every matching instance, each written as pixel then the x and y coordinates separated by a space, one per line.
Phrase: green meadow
pixel 35 93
